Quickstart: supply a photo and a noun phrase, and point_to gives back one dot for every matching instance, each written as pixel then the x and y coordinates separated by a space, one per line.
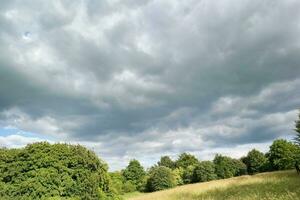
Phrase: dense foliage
pixel 227 167
pixel 185 160
pixel 160 178
pixel 255 161
pixel 42 170
pixel 282 155
pixel 204 171
pixel 167 162
pixel 135 173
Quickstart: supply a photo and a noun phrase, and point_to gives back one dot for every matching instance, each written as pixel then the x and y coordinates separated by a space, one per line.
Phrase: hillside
pixel 282 185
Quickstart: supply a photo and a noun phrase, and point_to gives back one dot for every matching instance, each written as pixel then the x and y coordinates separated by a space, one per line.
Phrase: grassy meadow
pixel 281 185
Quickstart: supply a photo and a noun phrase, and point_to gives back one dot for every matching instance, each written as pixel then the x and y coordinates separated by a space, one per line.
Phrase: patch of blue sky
pixel 8 130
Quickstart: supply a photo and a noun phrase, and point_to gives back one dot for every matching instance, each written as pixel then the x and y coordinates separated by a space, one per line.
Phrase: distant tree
pixel 160 178
pixel 135 173
pixel 255 161
pixel 187 175
pixel 204 171
pixel 239 167
pixel 227 167
pixel 185 160
pixel 178 174
pixel 297 129
pixel 167 162
pixel 282 154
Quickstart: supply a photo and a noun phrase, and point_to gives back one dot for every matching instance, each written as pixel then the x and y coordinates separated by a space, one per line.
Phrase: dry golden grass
pixel 276 185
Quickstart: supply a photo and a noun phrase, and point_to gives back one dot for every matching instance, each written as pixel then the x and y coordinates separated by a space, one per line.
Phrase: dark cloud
pixel 150 76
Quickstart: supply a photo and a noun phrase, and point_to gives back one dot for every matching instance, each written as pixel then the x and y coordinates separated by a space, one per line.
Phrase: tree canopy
pixel 43 170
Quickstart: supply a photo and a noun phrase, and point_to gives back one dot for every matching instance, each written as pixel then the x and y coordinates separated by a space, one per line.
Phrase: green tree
pixel 178 174
pixel 282 154
pixel 135 173
pixel 187 175
pixel 160 178
pixel 204 171
pixel 43 170
pixel 239 167
pixel 297 129
pixel 226 167
pixel 255 161
pixel 167 162
pixel 185 160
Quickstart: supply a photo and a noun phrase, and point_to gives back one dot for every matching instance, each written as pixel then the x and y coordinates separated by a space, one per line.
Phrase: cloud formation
pixel 146 78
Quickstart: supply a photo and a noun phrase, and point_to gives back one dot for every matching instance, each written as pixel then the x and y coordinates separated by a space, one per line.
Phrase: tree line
pixel 167 173
pixel 63 171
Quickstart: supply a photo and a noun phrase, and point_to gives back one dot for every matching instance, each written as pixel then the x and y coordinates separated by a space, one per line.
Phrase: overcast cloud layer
pixel 139 79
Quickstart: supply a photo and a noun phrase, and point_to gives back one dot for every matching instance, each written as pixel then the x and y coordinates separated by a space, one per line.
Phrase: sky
pixel 141 79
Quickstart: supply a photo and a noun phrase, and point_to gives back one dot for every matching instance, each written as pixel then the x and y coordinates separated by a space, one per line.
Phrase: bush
pixel 42 170
pixel 129 186
pixel 160 178
pixel 204 171
pixel 255 161
pixel 282 155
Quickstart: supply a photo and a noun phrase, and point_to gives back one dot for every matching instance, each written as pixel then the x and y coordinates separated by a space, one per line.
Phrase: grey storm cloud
pixel 151 74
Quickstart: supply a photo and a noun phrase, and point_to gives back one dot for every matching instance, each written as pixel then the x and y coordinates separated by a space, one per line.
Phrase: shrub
pixel 160 178
pixel 204 171
pixel 129 186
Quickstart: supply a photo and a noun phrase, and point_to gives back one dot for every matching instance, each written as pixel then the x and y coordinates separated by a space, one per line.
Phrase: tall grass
pixel 284 185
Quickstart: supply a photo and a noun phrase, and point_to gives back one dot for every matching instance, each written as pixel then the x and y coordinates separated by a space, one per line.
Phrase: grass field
pixel 283 185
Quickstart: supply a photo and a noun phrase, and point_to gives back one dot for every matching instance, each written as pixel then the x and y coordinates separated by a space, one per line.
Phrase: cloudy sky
pixel 145 78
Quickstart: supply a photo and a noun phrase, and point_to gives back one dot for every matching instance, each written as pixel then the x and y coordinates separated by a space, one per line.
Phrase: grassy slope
pixel 284 185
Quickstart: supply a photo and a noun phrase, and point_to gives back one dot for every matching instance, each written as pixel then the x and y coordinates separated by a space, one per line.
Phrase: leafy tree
pixel 227 167
pixel 117 182
pixel 135 173
pixel 160 178
pixel 42 170
pixel 297 129
pixel 129 186
pixel 282 154
pixel 187 175
pixel 255 161
pixel 185 160
pixel 178 174
pixel 204 171
pixel 239 167
pixel 167 162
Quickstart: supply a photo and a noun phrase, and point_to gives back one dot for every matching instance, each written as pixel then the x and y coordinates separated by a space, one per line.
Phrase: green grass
pixel 284 185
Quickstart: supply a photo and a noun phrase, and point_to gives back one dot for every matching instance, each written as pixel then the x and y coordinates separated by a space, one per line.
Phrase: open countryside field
pixel 282 185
